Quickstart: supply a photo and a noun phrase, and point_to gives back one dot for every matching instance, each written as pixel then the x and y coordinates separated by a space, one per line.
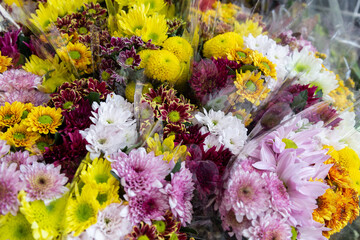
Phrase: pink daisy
pixel 139 171
pixel 268 227
pixel 19 158
pixel 247 194
pixel 43 182
pixel 4 148
pixel 10 185
pixel 180 193
pixel 147 206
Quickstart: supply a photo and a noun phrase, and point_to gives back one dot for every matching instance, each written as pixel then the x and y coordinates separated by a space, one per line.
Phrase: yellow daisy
pixel 166 148
pixel 248 27
pixel 78 54
pixel 250 87
pixel 97 174
pixel 241 55
pixel 44 16
pixel 133 22
pixel 155 29
pixel 18 136
pixel 43 120
pixel 180 47
pixel 222 44
pixel 108 196
pixel 4 63
pixel 15 227
pixel 42 143
pixel 264 64
pixel 154 5
pixel 81 211
pixel 10 114
pixel 163 66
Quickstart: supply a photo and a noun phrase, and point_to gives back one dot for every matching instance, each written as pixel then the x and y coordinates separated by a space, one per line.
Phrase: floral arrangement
pixel 160 119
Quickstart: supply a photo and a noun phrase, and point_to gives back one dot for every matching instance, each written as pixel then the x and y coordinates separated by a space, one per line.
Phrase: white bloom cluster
pixel 224 130
pixel 114 126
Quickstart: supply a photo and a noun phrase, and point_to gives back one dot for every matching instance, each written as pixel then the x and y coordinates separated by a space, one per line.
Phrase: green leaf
pixel 319 94
pixel 94 97
pixel 299 101
pixel 58 139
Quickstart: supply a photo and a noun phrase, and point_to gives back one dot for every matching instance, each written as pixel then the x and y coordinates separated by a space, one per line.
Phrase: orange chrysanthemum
pixel 43 120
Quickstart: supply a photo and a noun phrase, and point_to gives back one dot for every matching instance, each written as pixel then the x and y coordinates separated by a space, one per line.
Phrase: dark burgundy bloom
pixel 174 25
pixel 78 118
pixel 312 99
pixel 68 155
pixel 325 113
pixel 176 113
pixel 8 45
pixel 191 136
pixel 67 99
pixel 129 59
pixel 220 157
pixel 143 229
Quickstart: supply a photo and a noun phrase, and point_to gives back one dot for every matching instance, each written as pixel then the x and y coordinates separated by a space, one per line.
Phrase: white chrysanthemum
pixel 261 43
pixel 211 141
pixel 110 224
pixel 211 119
pixel 326 81
pixel 108 139
pixel 234 136
pixel 305 66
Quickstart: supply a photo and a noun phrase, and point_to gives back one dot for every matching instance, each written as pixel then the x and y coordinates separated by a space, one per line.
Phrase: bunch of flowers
pixel 160 119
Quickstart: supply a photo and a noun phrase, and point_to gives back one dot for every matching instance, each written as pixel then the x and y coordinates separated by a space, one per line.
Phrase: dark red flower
pixel 143 229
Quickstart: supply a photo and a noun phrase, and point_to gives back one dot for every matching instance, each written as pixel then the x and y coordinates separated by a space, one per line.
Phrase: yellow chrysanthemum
pixel 244 116
pixel 97 174
pixel 145 55
pixel 180 47
pixel 264 64
pixel 81 212
pixel 343 96
pixel 15 227
pixel 163 66
pixel 134 21
pixel 166 148
pixel 154 5
pixel 18 136
pixel 250 87
pixel 222 44
pixel 44 16
pixel 155 29
pixel 77 54
pixel 47 221
pixel 130 90
pixel 43 120
pixel 4 63
pixel 248 27
pixel 240 55
pixel 10 114
pixel 348 159
pixel 108 196
pixel 354 175
pixel 326 206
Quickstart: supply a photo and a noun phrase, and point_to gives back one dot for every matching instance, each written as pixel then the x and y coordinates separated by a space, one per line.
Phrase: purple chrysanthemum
pixel 246 193
pixel 20 158
pixel 180 193
pixel 139 171
pixel 268 227
pixel 43 182
pixel 10 185
pixel 129 59
pixel 147 206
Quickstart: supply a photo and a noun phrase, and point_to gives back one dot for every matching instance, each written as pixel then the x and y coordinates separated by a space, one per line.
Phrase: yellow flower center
pixel 41 145
pixel 157 99
pixel 84 211
pixel 102 197
pixel 160 226
pixel 68 105
pixel 45 119
pixel 250 86
pixel 83 30
pixel 129 61
pixel 105 75
pixel 24 114
pixel 143 237
pixel 266 65
pixel 289 143
pixel 101 178
pixel 301 68
pixel 19 136
pixel 174 116
pixel 154 37
pixel 241 54
pixel 8 116
pixel 75 55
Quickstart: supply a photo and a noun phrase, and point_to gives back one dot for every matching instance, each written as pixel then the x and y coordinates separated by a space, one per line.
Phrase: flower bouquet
pixel 160 119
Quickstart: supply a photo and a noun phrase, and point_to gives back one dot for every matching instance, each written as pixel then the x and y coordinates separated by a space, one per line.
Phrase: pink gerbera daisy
pixel 180 193
pixel 139 171
pixel 43 182
pixel 10 185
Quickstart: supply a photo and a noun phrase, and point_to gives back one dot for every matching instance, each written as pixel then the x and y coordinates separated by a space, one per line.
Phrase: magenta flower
pixel 139 171
pixel 10 185
pixel 43 182
pixel 8 46
pixel 129 59
pixel 180 193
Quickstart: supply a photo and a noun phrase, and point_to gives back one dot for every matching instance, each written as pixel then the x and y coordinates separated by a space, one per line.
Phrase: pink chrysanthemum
pixel 43 182
pixel 4 148
pixel 10 185
pixel 246 193
pixel 33 96
pixel 19 158
pixel 139 171
pixel 268 227
pixel 180 193
pixel 147 206
pixel 230 224
pixel 15 79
